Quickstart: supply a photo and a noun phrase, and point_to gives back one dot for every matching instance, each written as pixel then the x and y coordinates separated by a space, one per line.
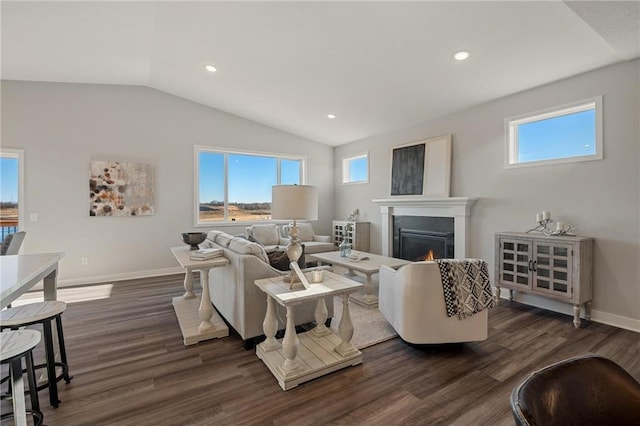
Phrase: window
pixel 355 169
pixel 11 193
pixel 234 186
pixel 560 135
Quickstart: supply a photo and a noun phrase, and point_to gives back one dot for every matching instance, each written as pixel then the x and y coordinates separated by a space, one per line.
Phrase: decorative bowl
pixel 193 238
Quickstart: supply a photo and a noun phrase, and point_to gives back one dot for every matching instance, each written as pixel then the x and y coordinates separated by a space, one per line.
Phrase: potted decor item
pixel 345 246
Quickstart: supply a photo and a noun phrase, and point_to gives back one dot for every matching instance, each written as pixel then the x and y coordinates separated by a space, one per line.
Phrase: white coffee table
pixel 368 267
pixel 196 316
pixel 294 360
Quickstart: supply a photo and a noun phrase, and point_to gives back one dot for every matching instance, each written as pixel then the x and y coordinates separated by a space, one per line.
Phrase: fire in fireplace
pixel 417 238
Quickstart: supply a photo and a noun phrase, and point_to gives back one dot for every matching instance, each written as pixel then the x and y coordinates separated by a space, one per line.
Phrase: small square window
pixel 559 135
pixel 355 169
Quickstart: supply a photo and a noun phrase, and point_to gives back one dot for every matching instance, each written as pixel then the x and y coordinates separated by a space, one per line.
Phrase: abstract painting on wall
pixel 121 189
pixel 422 168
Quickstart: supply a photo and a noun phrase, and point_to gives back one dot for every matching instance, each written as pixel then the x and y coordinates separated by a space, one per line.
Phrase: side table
pixel 196 316
pixel 295 358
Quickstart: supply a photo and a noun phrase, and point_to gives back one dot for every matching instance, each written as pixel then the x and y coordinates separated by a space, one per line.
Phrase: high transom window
pixel 355 169
pixel 235 186
pixel 558 135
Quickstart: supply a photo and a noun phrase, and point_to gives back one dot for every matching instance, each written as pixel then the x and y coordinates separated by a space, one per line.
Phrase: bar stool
pixel 15 345
pixel 42 313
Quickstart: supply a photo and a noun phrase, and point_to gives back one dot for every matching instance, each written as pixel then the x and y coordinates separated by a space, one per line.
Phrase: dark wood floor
pixel 131 368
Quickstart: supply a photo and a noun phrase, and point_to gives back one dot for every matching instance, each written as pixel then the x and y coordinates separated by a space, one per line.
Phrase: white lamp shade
pixel 290 202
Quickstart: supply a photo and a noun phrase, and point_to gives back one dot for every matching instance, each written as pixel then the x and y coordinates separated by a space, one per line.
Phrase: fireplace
pixel 418 238
pixel 456 208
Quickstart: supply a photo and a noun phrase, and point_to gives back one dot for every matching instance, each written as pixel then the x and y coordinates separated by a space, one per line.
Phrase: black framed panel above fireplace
pixel 415 236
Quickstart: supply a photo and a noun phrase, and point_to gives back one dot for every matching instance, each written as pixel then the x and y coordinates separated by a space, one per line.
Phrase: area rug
pixel 369 326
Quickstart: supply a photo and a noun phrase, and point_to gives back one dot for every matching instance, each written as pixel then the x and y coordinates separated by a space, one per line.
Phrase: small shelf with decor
pixel 356 233
pixel 558 267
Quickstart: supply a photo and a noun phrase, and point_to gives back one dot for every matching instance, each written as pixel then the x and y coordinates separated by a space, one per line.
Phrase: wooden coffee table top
pixel 367 266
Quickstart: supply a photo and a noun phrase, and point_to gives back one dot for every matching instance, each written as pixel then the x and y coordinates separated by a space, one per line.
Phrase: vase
pixel 345 248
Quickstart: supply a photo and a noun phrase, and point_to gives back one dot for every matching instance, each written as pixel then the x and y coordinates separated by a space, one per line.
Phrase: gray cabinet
pixel 357 234
pixel 559 267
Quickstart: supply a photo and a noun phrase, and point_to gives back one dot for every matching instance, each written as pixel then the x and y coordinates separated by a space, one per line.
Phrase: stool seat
pixel 14 343
pixel 42 313
pixel 32 313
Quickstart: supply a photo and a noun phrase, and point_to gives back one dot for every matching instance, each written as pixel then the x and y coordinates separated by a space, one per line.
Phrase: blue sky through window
pixel 9 179
pixel 250 177
pixel 570 135
pixel 358 169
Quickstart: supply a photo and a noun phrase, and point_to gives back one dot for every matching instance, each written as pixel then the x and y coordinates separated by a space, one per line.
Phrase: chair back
pixel 588 389
pixel 12 243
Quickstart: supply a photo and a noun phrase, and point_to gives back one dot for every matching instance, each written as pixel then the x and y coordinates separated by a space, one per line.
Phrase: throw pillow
pixel 242 246
pixel 266 234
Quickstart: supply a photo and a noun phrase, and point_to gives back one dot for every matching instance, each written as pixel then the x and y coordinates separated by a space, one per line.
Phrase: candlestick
pixel 546 215
pixel 538 217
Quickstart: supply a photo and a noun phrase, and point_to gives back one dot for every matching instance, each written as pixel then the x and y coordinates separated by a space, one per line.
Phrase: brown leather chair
pixel 584 390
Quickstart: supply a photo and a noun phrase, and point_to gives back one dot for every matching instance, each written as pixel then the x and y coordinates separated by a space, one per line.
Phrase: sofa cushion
pixel 223 239
pixel 242 246
pixel 213 234
pixel 305 232
pixel 265 234
pixel 279 259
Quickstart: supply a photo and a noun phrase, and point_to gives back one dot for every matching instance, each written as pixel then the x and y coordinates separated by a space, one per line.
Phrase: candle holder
pixel 562 228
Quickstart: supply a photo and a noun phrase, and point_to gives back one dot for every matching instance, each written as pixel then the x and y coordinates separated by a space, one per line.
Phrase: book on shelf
pixel 206 254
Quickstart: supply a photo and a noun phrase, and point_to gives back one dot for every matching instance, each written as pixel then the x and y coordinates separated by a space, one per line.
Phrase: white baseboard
pixel 567 309
pixel 119 277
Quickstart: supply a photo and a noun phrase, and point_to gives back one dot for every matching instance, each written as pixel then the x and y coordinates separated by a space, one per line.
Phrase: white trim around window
pixel 347 179
pixel 19 155
pixel 197 149
pixel 512 125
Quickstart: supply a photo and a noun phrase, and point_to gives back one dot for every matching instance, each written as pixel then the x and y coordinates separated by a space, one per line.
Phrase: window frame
pixel 226 152
pixel 345 168
pixel 19 155
pixel 511 132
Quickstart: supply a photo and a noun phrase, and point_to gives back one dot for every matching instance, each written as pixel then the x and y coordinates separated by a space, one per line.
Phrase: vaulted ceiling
pixel 378 66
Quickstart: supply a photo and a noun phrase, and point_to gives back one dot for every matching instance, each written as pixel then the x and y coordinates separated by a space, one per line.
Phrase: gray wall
pixel 62 127
pixel 601 197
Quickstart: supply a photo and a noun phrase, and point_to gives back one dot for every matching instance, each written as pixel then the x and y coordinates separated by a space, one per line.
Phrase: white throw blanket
pixel 466 285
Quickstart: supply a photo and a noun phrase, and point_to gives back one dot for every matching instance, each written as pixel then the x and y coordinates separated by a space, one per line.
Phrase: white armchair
pixel 312 243
pixel 412 300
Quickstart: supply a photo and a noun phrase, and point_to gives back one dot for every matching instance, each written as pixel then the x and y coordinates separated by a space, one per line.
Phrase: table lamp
pixel 294 202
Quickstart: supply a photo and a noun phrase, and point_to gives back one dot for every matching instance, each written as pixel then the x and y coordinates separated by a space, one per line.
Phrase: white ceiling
pixel 378 66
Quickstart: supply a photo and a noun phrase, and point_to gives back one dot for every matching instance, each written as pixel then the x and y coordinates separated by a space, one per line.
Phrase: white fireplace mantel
pixel 459 208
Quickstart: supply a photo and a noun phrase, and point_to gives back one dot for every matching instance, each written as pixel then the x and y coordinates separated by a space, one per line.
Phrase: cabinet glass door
pixel 552 268
pixel 515 258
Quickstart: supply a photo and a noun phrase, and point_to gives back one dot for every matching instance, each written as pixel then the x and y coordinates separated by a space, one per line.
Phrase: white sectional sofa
pixel 236 297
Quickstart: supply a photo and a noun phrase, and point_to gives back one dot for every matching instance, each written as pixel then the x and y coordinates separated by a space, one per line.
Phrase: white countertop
pixel 21 272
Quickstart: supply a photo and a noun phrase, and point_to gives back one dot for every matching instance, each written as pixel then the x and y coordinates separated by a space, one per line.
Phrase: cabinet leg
pixel 497 296
pixel 576 316
pixel 587 311
pixel 510 295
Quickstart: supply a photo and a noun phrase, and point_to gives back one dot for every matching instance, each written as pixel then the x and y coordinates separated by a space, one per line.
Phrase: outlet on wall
pixel 84 260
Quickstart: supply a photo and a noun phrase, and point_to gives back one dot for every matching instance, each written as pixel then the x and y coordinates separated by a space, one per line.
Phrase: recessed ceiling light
pixel 210 68
pixel 331 116
pixel 461 56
